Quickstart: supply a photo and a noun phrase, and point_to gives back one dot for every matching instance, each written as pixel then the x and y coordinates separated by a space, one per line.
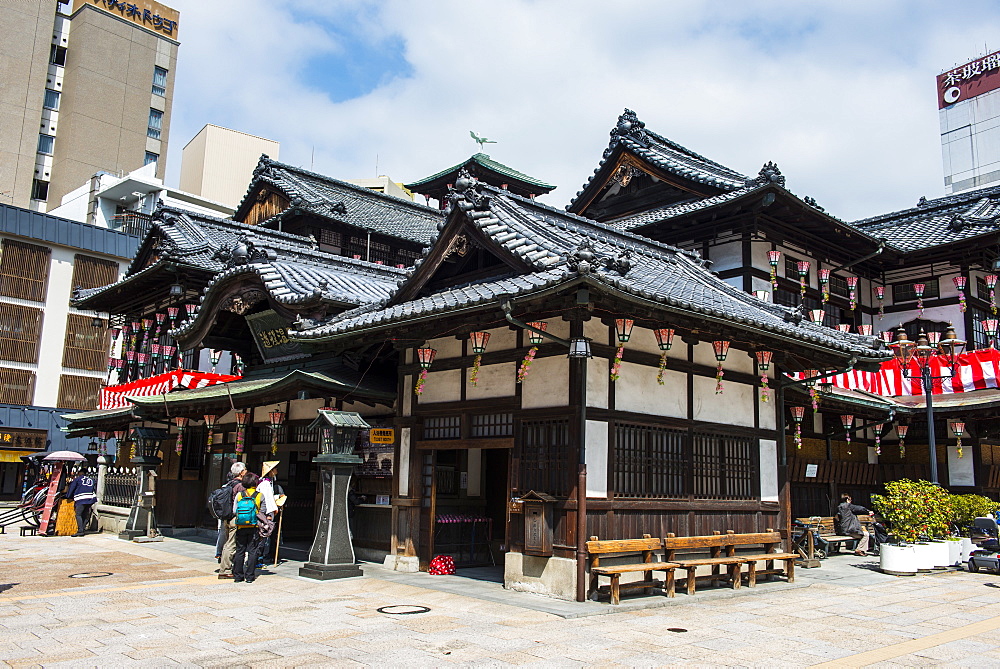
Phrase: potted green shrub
pixel 916 510
pixel 965 509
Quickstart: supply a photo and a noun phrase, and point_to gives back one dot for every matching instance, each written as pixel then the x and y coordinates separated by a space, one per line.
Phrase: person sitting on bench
pixel 847 518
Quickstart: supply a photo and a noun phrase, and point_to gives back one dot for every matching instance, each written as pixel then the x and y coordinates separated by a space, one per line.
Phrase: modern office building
pixel 218 163
pixel 969 110
pixel 85 87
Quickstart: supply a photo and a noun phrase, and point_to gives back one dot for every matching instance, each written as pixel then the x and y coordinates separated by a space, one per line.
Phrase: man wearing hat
pixel 268 471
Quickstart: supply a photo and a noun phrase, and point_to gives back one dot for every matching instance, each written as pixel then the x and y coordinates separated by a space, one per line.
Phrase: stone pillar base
pixel 129 535
pixel 404 563
pixel 328 572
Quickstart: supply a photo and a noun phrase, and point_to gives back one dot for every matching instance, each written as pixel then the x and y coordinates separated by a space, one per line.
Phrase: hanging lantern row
pixel 763 364
pixel 798 413
pixel 880 296
pixel 623 330
pixel 878 438
pixel 182 423
pixel 816 316
pixel 664 339
pixel 803 267
pixel 824 284
pixel 847 420
pixel 852 286
pixel 478 340
pixel 865 329
pixel 242 421
pixel 991 283
pixel 812 387
pixel 773 257
pixel 721 349
pixel 959 429
pixel 901 431
pixel 918 288
pixel 210 421
pixel 990 330
pixel 844 327
pixel 276 419
pixel 959 282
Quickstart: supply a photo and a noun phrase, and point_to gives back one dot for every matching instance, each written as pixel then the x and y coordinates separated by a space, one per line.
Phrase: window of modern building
pixel 51 99
pixel 86 346
pixel 17 386
pixel 93 272
pixel 39 189
pixel 46 143
pixel 905 292
pixel 24 270
pixel 57 55
pixel 79 392
pixel 20 330
pixel 159 81
pixel 155 123
pixel 151 158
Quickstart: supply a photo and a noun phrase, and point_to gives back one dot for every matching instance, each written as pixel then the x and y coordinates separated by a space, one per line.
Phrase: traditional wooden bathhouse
pixel 664 429
pixel 921 268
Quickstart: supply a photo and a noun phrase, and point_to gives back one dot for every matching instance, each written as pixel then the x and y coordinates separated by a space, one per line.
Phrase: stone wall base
pixel 552 576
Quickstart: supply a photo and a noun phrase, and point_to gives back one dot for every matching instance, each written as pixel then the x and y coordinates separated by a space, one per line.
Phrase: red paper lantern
pixel 426 356
pixel 623 329
pixel 664 338
pixel 533 337
pixel 479 341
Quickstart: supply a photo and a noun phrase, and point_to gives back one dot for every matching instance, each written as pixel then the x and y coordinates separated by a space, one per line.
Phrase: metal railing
pixel 121 484
pixel 133 223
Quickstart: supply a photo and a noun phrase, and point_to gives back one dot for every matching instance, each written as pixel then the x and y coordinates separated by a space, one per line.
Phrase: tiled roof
pixel 345 202
pixel 944 220
pixel 485 161
pixel 674 210
pixel 631 134
pixel 548 240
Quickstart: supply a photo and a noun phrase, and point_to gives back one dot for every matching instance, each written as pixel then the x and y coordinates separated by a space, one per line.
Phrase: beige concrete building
pixel 218 163
pixel 85 87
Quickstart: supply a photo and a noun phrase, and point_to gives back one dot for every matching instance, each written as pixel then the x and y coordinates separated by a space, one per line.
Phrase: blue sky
pixel 839 94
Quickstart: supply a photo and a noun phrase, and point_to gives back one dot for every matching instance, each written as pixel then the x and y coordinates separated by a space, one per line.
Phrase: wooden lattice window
pixel 24 270
pixel 650 462
pixel 17 386
pixel 91 272
pixel 547 464
pixel 79 392
pixel 492 425
pixel 443 427
pixel 723 466
pixel 86 346
pixel 20 330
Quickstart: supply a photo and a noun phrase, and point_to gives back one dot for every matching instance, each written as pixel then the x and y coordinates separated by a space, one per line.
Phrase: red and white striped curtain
pixel 113 397
pixel 976 370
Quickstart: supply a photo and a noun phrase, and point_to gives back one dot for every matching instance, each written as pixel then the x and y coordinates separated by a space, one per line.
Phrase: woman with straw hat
pixel 268 471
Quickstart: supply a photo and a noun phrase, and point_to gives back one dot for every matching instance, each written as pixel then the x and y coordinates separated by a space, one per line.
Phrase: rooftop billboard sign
pixel 967 81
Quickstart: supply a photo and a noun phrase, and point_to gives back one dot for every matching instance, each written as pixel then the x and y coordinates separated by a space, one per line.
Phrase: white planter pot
pixel 898 560
pixel 926 554
pixel 967 548
pixel 954 551
pixel 941 554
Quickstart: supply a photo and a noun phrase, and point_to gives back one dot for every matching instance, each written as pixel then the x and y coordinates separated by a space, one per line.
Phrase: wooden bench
pixel 628 548
pixel 824 532
pixel 722 551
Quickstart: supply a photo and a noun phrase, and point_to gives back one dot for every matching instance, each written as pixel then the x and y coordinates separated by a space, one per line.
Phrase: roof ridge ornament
pixel 630 126
pixel 811 201
pixel 466 196
pixel 244 251
pixel 584 260
pixel 768 174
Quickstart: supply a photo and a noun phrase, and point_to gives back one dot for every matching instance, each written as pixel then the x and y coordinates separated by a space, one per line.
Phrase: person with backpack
pixel 267 488
pixel 220 504
pixel 249 518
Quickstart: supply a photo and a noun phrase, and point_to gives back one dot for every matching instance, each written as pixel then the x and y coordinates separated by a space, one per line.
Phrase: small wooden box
pixel 537 507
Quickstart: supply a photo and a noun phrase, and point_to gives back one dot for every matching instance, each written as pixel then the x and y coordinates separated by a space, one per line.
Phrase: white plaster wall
pixel 546 385
pixel 377 411
pixel 768 470
pixel 638 391
pixel 598 370
pixel 403 463
pixel 475 488
pixel 407 398
pixel 872 456
pixel 447 347
pixel 762 284
pixel 502 339
pixel 735 282
pixel 597 459
pixel 598 331
pixel 732 407
pixel 736 360
pixel 440 387
pixel 644 340
pixel 768 410
pixel 960 470
pixel 728 255
pixel 297 410
pixel 494 381
pixel 558 327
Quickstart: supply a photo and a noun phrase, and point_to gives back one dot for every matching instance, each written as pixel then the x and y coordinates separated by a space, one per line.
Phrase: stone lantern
pixel 141 520
pixel 332 554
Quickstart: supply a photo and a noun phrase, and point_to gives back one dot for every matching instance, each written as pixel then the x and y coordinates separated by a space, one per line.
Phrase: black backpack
pixel 220 503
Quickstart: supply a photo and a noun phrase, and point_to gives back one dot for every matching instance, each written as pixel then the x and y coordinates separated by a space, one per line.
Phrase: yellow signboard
pixel 382 435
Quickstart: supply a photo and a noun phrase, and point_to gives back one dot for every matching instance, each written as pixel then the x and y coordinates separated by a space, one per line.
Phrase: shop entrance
pixel 464 507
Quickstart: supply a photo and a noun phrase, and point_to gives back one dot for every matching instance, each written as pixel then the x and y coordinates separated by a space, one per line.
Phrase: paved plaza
pixel 162 604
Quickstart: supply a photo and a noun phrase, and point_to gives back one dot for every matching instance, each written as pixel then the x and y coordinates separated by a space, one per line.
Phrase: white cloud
pixel 839 94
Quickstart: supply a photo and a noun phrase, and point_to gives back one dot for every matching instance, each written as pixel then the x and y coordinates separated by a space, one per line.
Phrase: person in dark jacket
pixel 847 517
pixel 235 484
pixel 82 492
